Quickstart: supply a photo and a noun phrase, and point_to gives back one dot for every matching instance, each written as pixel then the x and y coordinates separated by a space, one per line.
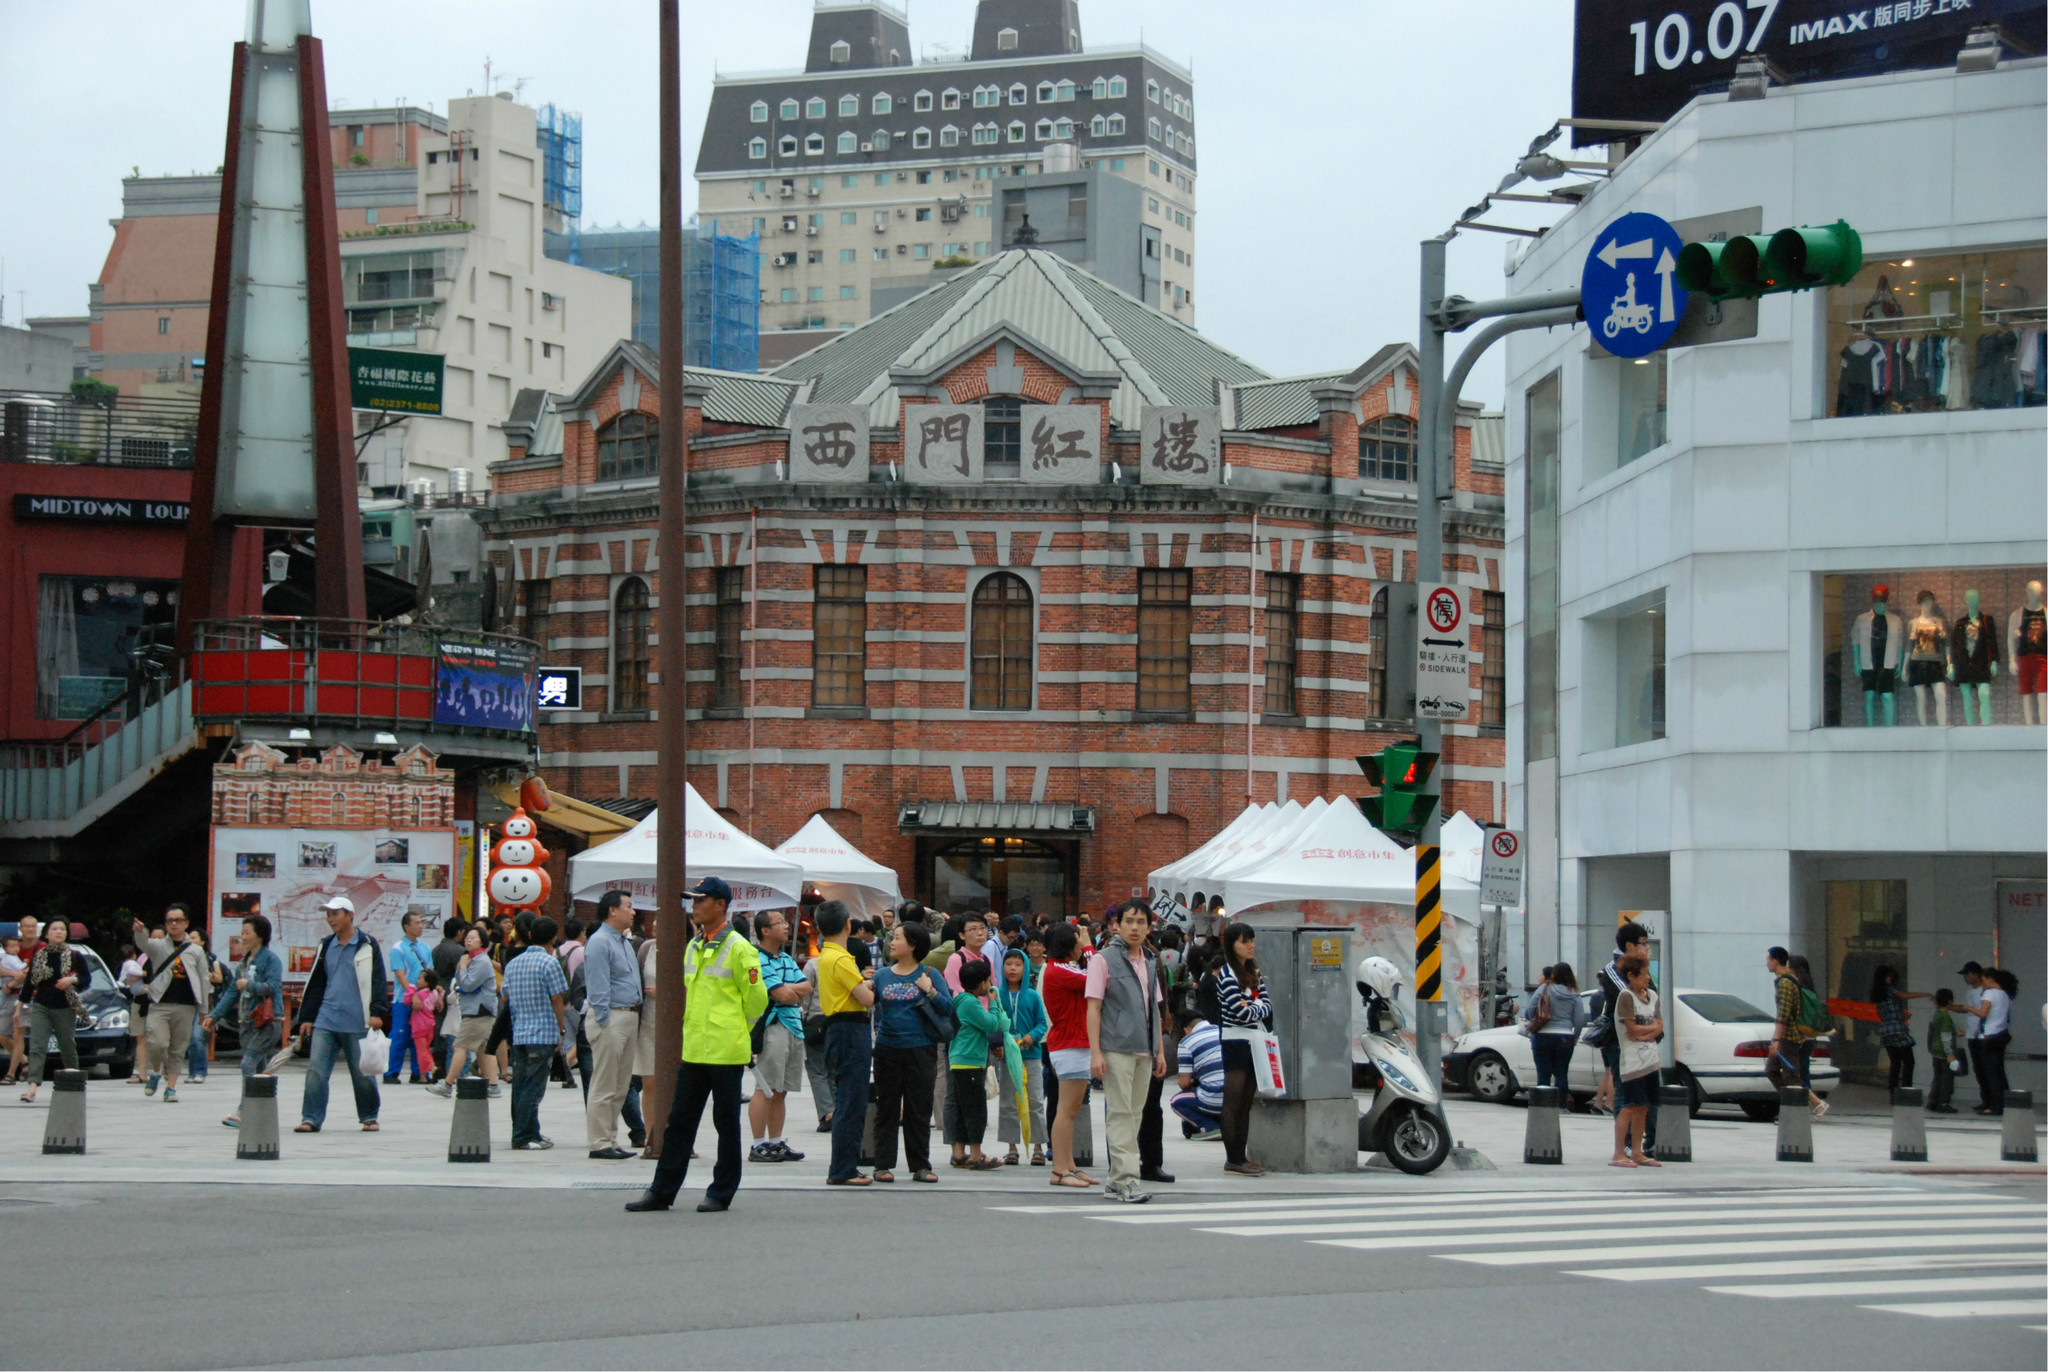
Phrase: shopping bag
pixel 1266 1069
pixel 373 1059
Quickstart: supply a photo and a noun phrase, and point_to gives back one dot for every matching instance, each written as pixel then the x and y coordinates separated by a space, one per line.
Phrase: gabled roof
pixel 730 397
pixel 1055 310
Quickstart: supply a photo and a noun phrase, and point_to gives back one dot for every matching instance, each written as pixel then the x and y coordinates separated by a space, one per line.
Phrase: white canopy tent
pixel 841 871
pixel 1198 873
pixel 1262 847
pixel 1165 879
pixel 1463 836
pixel 760 879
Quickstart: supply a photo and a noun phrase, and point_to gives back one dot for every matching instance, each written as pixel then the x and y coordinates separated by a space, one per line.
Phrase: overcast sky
pixel 1335 134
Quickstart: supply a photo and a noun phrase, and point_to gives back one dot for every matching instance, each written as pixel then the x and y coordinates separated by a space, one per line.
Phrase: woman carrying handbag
pixel 255 998
pixel 1243 1013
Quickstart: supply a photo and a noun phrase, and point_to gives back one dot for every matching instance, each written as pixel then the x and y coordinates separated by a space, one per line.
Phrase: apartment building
pixel 869 165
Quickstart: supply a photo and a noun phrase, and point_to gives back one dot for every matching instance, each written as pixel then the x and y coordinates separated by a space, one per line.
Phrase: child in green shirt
pixel 1945 1046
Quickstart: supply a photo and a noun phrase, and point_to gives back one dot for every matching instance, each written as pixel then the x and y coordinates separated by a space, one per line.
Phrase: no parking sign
pixel 1500 868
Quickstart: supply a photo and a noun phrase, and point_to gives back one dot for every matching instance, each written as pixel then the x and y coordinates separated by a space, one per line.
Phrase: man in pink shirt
pixel 1126 1046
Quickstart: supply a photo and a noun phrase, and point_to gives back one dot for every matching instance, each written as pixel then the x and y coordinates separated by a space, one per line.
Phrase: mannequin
pixel 1879 638
pixel 2026 654
pixel 1973 661
pixel 1926 655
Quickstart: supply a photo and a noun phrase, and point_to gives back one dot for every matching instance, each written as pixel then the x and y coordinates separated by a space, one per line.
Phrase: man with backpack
pixel 1799 1018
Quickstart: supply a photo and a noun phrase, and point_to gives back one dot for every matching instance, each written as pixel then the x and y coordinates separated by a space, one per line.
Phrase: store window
pixel 1642 396
pixel 89 634
pixel 839 636
pixel 626 447
pixel 1543 422
pixel 1933 647
pixel 1283 593
pixel 632 632
pixel 728 635
pixel 1000 876
pixel 1491 639
pixel 1001 675
pixel 1622 686
pixel 1948 331
pixel 1002 441
pixel 1866 931
pixel 1165 626
pixel 1386 449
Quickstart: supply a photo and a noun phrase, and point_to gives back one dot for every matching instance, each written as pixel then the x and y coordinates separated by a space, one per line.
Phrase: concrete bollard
pixel 1795 1125
pixel 64 1128
pixel 469 1133
pixel 256 1140
pixel 1909 1125
pixel 1674 1124
pixel 2015 1142
pixel 1541 1143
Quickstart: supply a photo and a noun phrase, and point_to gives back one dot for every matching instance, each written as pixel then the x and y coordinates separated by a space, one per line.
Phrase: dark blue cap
pixel 710 888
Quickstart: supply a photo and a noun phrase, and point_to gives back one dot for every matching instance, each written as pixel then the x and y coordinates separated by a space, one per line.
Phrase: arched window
pixel 632 626
pixel 1386 449
pixel 1376 657
pixel 1002 644
pixel 625 447
pixel 1002 435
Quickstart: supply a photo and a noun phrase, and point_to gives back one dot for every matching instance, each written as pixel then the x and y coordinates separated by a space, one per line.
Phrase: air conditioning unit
pixel 949 214
pixel 867 147
pixel 789 192
pixel 785 259
pixel 550 301
pixel 902 249
pixel 880 227
pixel 811 231
pixel 903 214
pixel 814 191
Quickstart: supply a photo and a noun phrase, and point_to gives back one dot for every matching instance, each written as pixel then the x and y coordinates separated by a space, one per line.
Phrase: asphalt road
pixel 130 1275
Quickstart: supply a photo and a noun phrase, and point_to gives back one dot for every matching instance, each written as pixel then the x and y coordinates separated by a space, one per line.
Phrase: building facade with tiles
pixel 1027 587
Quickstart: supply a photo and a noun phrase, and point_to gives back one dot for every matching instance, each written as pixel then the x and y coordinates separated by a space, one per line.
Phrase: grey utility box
pixel 1306 973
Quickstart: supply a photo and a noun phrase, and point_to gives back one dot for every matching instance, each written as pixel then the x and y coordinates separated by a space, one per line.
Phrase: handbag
pixel 939 1020
pixel 991 1085
pixel 1267 1072
pixel 265 1013
pixel 1600 1032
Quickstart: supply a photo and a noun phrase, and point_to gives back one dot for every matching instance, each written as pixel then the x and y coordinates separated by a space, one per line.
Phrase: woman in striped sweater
pixel 1236 1001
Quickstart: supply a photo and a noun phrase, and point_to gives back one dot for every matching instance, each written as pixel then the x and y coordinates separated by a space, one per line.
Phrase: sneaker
pixel 825 1126
pixel 155 1079
pixel 233 1121
pixel 537 1146
pixel 784 1153
pixel 170 1095
pixel 199 1080
pixel 761 1152
pixel 495 1091
pixel 441 1089
pixel 1208 1136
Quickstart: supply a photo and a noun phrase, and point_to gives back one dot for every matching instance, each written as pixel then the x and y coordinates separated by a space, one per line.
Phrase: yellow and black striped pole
pixel 1429 984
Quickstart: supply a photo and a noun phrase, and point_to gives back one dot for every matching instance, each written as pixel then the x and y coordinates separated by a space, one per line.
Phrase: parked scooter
pixel 1406 1121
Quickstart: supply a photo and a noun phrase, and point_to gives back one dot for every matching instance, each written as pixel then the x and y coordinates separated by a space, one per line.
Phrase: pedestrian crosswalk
pixel 1936 1254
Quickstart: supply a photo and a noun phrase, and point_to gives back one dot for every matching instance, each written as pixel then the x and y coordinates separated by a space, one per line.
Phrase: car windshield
pixel 101 979
pixel 1715 1008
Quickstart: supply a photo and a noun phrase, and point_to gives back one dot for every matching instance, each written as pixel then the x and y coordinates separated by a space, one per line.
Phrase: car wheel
pixel 1489 1077
pixel 1694 1098
pixel 1762 1111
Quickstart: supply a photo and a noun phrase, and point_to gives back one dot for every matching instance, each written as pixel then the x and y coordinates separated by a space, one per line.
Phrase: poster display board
pixel 286 875
pixel 484 686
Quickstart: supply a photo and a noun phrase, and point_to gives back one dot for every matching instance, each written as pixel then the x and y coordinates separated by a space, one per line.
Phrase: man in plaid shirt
pixel 534 987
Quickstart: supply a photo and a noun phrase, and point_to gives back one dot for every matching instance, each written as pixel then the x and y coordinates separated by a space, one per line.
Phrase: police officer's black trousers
pixel 697 1082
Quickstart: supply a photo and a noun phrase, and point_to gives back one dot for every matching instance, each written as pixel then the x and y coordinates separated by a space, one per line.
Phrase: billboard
pixel 398 382
pixel 286 875
pixel 484 686
pixel 1645 59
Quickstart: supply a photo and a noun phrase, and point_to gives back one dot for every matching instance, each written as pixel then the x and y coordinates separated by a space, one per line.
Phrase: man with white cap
pixel 347 995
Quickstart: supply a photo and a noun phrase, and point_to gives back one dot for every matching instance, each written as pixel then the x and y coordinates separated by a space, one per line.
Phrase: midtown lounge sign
pixel 92 509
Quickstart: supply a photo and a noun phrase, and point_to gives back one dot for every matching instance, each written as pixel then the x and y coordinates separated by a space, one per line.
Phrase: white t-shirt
pixel 132 972
pixel 10 964
pixel 1997 1013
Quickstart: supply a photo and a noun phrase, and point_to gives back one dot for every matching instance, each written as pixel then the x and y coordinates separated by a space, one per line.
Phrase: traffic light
pixel 1798 259
pixel 1400 771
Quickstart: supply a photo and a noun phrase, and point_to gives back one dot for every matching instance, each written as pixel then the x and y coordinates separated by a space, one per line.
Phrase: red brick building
pixel 991 611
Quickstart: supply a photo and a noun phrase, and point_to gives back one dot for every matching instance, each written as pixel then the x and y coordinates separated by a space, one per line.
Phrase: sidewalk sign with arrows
pixel 1443 652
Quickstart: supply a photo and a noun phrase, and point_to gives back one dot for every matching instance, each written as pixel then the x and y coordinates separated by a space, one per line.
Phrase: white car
pixel 1724 1044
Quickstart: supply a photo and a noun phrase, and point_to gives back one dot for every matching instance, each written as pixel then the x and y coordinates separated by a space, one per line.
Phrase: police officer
pixel 722 997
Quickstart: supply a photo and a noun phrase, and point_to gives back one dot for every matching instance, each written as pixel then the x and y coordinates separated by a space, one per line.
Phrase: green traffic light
pixel 1826 256
pixel 1751 265
pixel 1400 770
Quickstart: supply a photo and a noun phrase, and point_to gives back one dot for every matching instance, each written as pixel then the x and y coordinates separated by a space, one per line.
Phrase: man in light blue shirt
pixel 408 960
pixel 347 995
pixel 611 1008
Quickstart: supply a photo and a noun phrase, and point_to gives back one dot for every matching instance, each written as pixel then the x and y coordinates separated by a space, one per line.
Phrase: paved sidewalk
pixel 130 1136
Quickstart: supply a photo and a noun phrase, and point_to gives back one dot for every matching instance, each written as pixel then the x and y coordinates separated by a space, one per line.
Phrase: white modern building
pixel 1698 536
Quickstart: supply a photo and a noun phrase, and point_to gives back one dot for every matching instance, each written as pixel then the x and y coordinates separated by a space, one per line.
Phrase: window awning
pixel 995 816
pixel 569 814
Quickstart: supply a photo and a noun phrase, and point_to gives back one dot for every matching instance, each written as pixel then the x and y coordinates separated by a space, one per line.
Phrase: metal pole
pixel 1429 564
pixel 671 730
pixel 1251 638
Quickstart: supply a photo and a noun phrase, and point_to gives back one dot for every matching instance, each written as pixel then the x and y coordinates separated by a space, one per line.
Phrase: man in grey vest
pixel 1125 1047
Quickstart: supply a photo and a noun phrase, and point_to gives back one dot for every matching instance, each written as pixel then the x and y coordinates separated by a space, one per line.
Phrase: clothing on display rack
pixel 1970 650
pixel 1995 384
pixel 2033 366
pixel 1864 383
pixel 1926 648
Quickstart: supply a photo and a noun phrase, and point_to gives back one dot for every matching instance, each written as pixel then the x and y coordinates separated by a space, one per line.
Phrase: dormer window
pixel 882 103
pixel 921 102
pixel 849 105
pixel 790 108
pixel 1047 92
pixel 1118 87
pixel 814 108
pixel 1019 94
pixel 949 100
pixel 1006 40
pixel 758 112
pixel 842 52
pixel 1152 91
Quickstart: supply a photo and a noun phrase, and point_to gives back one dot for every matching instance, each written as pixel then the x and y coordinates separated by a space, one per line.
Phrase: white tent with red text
pixel 716 847
pixel 841 871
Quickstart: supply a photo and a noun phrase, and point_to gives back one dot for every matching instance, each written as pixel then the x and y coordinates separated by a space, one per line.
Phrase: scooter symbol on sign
pixel 1625 313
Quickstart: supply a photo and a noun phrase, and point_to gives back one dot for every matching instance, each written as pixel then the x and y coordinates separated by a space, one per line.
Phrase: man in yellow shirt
pixel 844 995
pixel 722 997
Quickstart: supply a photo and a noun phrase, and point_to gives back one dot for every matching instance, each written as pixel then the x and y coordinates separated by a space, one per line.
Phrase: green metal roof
pixel 1050 305
pixel 1280 404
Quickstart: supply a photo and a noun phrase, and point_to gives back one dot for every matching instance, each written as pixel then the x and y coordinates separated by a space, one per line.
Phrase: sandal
pixel 1010 1158
pixel 885 1177
pixel 1073 1179
pixel 370 1126
pixel 988 1164
pixel 962 1163
pixel 1622 1162
pixel 302 1127
pixel 855 1180
pixel 1648 1162
pixel 28 1098
pixel 924 1174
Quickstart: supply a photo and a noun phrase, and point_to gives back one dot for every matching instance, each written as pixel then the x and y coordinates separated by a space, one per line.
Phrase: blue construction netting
pixel 721 287
pixel 559 133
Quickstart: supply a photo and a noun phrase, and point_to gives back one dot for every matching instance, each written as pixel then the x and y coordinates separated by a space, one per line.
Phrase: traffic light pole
pixel 1438 412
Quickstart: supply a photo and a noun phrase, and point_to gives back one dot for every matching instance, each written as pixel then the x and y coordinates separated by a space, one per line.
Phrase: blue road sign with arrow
pixel 1629 288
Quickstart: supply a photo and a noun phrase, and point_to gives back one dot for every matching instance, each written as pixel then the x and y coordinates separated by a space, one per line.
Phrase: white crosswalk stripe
pixel 1963 1251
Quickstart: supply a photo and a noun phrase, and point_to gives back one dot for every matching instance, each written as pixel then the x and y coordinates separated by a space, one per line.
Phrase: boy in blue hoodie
pixel 1029 1025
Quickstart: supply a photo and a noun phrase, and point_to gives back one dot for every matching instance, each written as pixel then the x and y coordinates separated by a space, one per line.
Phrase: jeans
pixel 1900 1069
pixel 402 1046
pixel 967 1105
pixel 259 1046
pixel 1554 1060
pixel 636 1126
pixel 848 1050
pixel 43 1022
pixel 903 1098
pixel 195 1051
pixel 1190 1109
pixel 530 1064
pixel 697 1082
pixel 328 1045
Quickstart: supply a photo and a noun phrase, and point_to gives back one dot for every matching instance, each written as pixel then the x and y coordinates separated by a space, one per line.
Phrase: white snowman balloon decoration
pixel 518 881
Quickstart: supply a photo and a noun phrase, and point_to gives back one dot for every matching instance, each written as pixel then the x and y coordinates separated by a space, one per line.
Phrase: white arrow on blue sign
pixel 1630 295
